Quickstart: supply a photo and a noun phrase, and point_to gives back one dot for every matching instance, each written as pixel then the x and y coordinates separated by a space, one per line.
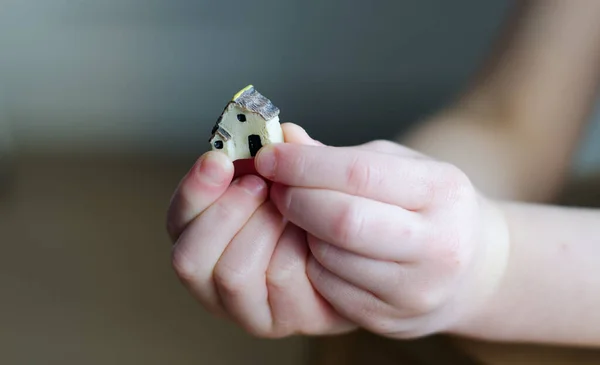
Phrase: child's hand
pixel 400 244
pixel 397 243
pixel 240 257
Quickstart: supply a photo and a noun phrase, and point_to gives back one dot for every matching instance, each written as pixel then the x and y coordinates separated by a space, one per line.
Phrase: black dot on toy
pixel 219 145
pixel 241 117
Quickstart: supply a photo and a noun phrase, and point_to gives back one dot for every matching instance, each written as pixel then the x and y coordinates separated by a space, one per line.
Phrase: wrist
pixel 488 272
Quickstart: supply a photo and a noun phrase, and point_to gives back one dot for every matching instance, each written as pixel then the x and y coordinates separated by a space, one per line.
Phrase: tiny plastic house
pixel 249 122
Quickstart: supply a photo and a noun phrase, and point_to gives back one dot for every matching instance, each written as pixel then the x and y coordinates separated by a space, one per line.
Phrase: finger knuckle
pixel 425 185
pixel 359 174
pixel 229 281
pixel 423 302
pixel 279 280
pixel 451 184
pixel 348 225
pixel 221 211
pixel 381 145
pixel 184 267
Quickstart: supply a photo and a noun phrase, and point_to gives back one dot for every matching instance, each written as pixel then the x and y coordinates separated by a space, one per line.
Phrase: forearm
pixel 525 109
pixel 550 290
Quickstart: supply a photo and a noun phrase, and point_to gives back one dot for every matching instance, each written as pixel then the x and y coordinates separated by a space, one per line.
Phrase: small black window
pixel 218 145
pixel 241 117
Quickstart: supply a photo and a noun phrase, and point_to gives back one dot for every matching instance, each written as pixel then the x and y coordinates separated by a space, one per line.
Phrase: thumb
pixel 292 133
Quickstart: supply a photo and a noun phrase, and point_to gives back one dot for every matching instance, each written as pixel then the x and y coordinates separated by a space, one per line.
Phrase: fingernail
pixel 214 168
pixel 266 161
pixel 252 184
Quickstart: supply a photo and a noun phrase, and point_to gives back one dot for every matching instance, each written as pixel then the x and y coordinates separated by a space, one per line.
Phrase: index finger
pixel 404 181
pixel 200 187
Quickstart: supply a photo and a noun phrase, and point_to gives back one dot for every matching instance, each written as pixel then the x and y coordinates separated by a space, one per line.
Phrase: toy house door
pixel 254 143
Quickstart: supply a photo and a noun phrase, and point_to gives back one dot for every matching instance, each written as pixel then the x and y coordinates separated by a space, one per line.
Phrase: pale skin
pixel 389 239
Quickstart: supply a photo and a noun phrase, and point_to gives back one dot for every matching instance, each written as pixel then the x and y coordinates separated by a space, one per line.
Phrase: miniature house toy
pixel 249 122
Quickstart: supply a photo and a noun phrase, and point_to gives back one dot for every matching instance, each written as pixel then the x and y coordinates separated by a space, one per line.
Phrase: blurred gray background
pixel 153 75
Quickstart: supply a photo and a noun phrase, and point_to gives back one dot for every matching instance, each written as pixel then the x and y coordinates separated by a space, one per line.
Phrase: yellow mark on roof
pixel 242 91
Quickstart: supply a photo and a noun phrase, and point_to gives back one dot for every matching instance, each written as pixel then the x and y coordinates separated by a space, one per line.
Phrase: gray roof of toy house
pixel 252 100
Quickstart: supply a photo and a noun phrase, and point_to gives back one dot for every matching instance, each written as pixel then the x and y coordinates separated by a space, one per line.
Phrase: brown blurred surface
pixel 365 349
pixel 86 277
pixel 362 348
pixel 525 354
